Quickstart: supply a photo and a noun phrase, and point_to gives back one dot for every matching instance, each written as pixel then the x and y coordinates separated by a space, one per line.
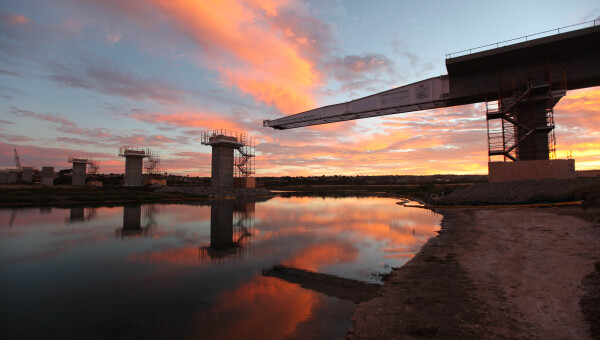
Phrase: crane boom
pixel 17 161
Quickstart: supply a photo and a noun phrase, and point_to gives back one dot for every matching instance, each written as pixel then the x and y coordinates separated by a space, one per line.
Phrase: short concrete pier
pixel 79 169
pixel 134 164
pixel 48 175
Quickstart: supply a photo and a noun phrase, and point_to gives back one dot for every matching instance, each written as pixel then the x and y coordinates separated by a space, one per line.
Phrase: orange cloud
pixel 186 256
pixel 288 306
pixel 205 121
pixel 316 256
pixel 246 42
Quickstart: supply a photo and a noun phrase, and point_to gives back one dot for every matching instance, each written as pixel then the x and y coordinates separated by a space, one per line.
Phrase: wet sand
pixel 491 273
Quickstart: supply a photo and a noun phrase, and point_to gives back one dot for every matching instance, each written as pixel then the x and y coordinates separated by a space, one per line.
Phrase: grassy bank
pixel 69 195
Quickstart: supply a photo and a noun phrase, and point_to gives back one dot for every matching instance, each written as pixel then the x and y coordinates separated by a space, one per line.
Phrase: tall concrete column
pixel 222 165
pixel 533 115
pixel 133 170
pixel 78 175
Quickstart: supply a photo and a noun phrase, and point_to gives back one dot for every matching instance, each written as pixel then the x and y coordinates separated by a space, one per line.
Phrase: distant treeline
pixel 367 180
pixel 64 177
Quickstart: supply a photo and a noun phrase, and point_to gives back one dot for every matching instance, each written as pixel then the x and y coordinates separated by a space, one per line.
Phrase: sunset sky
pixel 83 77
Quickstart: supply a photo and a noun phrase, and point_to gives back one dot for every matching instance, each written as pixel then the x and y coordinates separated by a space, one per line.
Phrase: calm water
pixel 192 271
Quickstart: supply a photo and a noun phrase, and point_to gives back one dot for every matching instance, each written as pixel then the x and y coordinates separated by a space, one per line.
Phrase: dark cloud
pixel 108 79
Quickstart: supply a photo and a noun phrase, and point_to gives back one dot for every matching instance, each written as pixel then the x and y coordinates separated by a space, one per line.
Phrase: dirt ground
pixel 502 273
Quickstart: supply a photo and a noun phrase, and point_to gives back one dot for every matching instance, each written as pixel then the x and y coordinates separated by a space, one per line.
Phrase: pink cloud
pixel 13 18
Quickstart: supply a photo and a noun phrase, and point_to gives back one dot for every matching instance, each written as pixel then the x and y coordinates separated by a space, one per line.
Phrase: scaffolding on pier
pixel 515 117
pixel 241 142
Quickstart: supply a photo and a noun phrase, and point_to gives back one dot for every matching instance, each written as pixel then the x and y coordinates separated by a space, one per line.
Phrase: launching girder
pixel 423 95
pixel 566 60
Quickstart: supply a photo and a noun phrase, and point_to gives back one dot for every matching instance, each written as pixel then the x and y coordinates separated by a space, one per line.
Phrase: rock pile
pixel 526 191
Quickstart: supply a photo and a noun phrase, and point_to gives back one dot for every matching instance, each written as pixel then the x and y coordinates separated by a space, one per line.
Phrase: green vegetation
pixel 31 195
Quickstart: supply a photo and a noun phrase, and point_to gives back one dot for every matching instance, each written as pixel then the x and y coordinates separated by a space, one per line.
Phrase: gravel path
pixel 505 273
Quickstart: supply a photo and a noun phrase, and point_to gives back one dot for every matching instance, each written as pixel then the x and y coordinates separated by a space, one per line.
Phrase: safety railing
pixel 525 38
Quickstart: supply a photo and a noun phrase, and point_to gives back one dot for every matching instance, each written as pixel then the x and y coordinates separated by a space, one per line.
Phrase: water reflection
pixel 192 271
pixel 79 214
pixel 76 214
pixel 230 229
pixel 133 227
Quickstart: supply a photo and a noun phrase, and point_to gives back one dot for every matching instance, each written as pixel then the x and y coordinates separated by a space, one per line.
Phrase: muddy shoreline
pixel 502 273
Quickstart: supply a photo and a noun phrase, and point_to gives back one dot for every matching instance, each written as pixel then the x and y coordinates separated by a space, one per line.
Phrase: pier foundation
pixel 535 169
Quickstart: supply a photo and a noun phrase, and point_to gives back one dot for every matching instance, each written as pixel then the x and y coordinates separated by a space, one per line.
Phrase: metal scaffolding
pixel 505 124
pixel 242 143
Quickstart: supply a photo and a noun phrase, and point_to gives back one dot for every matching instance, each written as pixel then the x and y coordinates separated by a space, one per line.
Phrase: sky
pixel 82 78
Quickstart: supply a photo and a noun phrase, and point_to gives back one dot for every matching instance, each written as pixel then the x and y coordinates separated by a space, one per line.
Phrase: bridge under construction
pixel 519 80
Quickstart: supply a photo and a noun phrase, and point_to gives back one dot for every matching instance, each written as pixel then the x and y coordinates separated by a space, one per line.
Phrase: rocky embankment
pixel 494 273
pixel 526 191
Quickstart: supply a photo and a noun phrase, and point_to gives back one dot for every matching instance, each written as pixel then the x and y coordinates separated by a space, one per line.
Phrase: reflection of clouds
pixel 182 256
pixel 342 227
pixel 314 256
pixel 55 249
pixel 287 305
pixel 577 118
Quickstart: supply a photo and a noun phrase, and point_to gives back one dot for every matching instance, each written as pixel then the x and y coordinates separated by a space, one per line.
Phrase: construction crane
pixel 17 161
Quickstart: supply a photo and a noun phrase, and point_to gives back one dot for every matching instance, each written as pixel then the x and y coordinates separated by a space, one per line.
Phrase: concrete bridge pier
pixel 48 175
pixel 222 165
pixel 133 170
pixel 79 171
pixel 27 176
pixel 534 146
pixel 223 147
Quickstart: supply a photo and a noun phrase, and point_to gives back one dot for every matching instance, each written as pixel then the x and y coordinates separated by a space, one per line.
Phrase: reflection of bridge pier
pixel 132 222
pixel 76 214
pixel 221 227
pixel 230 228
pixel 81 214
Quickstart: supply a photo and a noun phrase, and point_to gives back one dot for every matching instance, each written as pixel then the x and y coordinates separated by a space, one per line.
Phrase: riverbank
pixel 31 195
pixel 517 273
